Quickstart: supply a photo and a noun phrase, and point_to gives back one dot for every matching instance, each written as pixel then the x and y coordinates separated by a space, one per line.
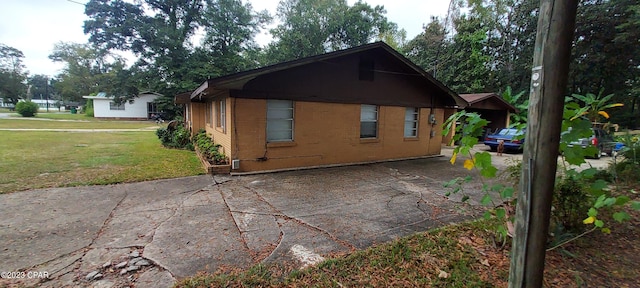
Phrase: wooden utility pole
pixel 549 75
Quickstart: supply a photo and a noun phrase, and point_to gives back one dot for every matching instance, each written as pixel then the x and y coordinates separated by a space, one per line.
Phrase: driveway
pixel 509 158
pixel 149 234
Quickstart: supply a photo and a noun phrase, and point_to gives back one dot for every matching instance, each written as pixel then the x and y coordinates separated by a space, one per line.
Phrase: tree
pixel 310 27
pixel 230 28
pixel 395 38
pixel 606 54
pixel 491 43
pixel 152 29
pixel 38 86
pixel 87 70
pixel 12 74
pixel 426 47
pixel 469 61
pixel 517 101
pixel 157 31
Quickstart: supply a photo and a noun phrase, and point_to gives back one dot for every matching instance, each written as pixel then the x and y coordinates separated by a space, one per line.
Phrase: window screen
pixel 411 122
pixel 114 106
pixel 279 120
pixel 368 121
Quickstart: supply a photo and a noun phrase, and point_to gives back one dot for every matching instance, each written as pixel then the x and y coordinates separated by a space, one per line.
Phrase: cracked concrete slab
pixel 311 239
pixel 132 229
pixel 51 222
pixel 155 278
pixel 186 225
pixel 198 238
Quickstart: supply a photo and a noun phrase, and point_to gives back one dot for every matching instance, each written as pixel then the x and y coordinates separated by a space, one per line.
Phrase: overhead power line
pixel 83 4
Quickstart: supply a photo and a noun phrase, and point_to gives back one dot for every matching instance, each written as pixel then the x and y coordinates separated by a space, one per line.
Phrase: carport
pixel 490 106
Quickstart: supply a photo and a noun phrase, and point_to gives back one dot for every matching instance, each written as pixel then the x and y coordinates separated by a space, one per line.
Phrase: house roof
pixel 183 98
pixel 475 99
pixel 103 95
pixel 237 80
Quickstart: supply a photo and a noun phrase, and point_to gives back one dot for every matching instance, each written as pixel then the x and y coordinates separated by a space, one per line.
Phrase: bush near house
pixel 175 136
pixel 27 108
pixel 88 108
pixel 210 150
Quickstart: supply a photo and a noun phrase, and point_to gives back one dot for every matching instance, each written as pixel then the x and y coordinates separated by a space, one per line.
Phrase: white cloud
pixel 34 26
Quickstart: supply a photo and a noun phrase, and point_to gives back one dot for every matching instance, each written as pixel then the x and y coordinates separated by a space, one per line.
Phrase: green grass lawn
pixel 37 159
pixel 65 116
pixel 30 123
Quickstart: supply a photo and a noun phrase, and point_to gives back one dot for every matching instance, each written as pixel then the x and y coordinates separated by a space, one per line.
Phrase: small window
pixel 208 114
pixel 114 106
pixel 222 114
pixel 368 121
pixel 411 122
pixel 279 120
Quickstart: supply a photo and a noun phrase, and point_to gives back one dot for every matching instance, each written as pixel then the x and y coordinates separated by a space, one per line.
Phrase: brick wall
pixel 325 133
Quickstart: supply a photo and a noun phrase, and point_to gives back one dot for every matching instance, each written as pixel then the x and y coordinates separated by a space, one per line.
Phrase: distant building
pixel 139 108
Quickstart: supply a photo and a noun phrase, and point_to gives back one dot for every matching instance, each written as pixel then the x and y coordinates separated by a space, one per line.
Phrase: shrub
pixel 27 108
pixel 513 171
pixel 628 172
pixel 178 137
pixel 88 108
pixel 164 135
pixel 208 148
pixel 627 169
pixel 571 201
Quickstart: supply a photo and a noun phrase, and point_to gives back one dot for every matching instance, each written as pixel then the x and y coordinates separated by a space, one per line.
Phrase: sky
pixel 34 26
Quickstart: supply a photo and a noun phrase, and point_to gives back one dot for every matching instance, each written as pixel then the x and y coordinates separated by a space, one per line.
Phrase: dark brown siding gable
pixel 371 77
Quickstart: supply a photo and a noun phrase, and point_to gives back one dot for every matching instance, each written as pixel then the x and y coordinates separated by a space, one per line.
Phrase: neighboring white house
pixel 42 104
pixel 140 107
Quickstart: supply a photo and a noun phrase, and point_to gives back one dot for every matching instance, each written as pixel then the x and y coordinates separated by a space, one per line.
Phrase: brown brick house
pixel 358 105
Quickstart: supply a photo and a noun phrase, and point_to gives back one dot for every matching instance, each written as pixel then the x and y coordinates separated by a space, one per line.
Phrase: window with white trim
pixel 114 106
pixel 208 114
pixel 279 120
pixel 411 122
pixel 368 121
pixel 222 114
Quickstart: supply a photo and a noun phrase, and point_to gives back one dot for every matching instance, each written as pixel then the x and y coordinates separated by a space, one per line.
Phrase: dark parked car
pixel 513 139
pixel 600 139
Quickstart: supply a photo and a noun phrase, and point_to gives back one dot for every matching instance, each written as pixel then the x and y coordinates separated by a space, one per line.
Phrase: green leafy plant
pixel 594 105
pixel 467 131
pixel 175 137
pixel 579 192
pixel 27 108
pixel 522 105
pixel 571 201
pixel 588 190
pixel 88 108
pixel 631 150
pixel 210 150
